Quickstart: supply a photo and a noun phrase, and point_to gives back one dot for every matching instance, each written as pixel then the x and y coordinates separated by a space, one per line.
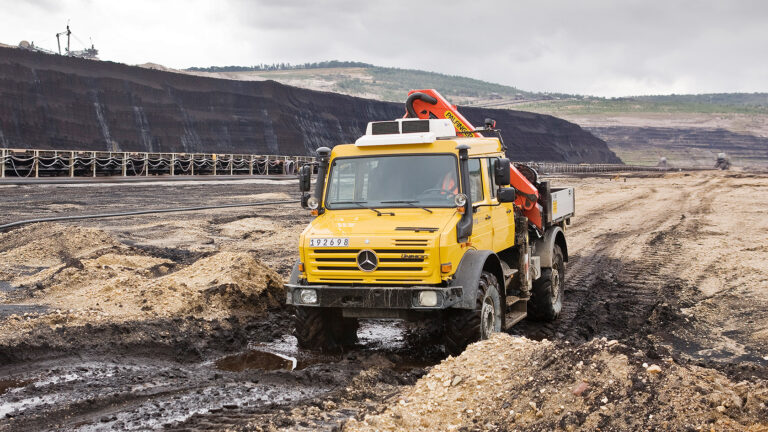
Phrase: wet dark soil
pixel 187 381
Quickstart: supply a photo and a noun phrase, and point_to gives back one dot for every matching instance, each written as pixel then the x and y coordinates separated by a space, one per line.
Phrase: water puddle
pixel 20 309
pixel 375 336
pixel 256 359
pixel 6 286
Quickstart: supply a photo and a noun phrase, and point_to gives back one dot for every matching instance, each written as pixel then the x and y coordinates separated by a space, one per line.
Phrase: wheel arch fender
pixel 543 247
pixel 467 275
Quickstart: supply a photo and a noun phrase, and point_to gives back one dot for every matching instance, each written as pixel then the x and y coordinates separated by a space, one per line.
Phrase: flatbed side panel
pixel 562 203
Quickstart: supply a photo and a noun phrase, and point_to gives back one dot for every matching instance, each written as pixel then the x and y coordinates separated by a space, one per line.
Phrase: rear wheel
pixel 324 329
pixel 466 326
pixel 547 294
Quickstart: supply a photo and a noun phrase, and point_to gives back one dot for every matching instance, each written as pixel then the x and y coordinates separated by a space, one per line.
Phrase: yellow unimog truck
pixel 414 222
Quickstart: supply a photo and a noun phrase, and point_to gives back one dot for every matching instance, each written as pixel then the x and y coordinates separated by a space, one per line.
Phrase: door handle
pixel 487 217
pixel 509 211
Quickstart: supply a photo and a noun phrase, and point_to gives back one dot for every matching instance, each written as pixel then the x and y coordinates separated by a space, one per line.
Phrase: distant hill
pixel 392 84
pixel 374 82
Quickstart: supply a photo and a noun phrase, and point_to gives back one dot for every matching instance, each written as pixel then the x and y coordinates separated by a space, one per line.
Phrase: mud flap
pixel 543 247
pixel 293 280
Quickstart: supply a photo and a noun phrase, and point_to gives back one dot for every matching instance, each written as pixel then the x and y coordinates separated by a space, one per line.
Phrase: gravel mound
pixel 513 383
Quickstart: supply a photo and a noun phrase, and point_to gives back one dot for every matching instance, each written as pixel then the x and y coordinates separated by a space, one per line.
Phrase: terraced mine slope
pixel 53 102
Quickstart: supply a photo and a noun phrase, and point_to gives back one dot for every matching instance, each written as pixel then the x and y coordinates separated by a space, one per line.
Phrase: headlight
pixel 313 203
pixel 428 298
pixel 308 296
pixel 460 200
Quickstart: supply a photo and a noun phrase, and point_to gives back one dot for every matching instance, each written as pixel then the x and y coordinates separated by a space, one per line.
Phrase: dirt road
pixel 124 323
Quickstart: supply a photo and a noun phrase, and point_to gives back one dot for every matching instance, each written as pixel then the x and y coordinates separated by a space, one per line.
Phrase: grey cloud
pixel 595 47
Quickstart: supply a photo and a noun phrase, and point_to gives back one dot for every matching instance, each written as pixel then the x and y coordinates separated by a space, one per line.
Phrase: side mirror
pixel 305 178
pixel 507 194
pixel 501 172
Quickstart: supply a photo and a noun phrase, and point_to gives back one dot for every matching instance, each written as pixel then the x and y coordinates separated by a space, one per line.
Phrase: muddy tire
pixel 463 326
pixel 547 293
pixel 323 329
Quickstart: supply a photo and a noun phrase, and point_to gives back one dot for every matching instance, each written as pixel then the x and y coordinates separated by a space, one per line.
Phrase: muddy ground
pixel 175 321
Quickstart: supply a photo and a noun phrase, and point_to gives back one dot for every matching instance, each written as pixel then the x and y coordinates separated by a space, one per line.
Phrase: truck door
pixel 503 216
pixel 482 230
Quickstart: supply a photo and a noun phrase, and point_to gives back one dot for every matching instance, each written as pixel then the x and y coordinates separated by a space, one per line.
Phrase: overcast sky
pixel 603 48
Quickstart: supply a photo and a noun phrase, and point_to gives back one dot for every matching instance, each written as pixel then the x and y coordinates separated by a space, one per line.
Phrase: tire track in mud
pixel 615 285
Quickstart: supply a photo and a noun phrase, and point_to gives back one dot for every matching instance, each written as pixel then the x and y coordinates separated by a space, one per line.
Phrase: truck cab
pixel 414 222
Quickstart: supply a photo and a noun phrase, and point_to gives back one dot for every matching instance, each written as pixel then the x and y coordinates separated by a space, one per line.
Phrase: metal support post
pixel 36 163
pixel 93 162
pixel 214 164
pixel 71 164
pixel 192 164
pixel 124 164
pixel 231 164
pixel 173 163
pixel 250 167
pixel 2 163
pixel 146 164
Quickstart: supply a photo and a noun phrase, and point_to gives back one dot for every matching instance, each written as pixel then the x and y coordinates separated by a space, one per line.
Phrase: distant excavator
pixel 723 162
pixel 87 53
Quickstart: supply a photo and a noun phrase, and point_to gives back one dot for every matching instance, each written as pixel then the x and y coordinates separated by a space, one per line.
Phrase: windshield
pixel 393 181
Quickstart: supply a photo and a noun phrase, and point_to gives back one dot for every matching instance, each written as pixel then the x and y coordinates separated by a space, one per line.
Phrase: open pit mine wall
pixel 54 102
pixel 685 146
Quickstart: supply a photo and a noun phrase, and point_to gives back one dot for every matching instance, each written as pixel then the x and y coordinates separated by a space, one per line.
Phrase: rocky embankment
pixel 55 102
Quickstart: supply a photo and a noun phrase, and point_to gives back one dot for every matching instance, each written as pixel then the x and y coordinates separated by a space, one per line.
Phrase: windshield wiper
pixel 409 202
pixel 360 204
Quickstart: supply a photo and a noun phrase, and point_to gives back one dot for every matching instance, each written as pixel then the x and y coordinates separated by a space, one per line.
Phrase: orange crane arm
pixel 429 104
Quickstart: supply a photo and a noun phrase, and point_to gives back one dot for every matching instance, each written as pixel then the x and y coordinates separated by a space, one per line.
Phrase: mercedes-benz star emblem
pixel 367 260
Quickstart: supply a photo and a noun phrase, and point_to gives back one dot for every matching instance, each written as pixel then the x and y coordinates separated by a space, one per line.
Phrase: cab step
pixel 509 273
pixel 517 310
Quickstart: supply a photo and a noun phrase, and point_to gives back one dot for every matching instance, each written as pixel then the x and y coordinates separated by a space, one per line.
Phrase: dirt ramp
pixel 120 286
pixel 60 280
pixel 227 281
pixel 510 383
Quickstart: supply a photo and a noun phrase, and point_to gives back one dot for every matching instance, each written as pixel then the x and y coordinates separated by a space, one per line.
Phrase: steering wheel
pixel 434 191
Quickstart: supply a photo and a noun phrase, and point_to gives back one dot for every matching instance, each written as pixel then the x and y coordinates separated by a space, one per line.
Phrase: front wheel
pixel 324 329
pixel 547 293
pixel 466 326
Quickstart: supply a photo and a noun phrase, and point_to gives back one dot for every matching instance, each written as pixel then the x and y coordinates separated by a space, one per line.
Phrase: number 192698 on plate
pixel 329 242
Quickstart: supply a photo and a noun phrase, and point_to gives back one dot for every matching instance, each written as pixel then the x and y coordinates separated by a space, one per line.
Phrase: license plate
pixel 329 242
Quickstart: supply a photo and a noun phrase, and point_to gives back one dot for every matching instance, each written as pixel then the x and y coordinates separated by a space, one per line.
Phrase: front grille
pixel 407 261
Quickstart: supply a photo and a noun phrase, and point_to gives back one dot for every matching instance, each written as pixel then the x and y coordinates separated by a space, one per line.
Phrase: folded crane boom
pixel 429 104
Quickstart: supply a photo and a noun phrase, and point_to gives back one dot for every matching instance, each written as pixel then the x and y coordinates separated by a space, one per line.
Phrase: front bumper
pixel 374 297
